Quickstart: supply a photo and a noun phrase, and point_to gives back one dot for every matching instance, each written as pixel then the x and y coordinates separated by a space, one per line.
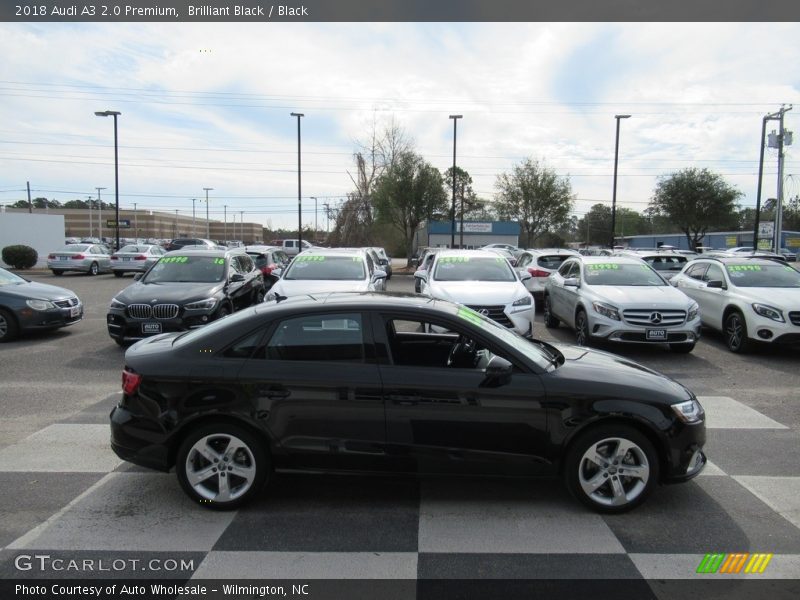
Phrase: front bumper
pixel 69 265
pixel 686 459
pixel 762 329
pixel 54 318
pixel 126 329
pixel 602 327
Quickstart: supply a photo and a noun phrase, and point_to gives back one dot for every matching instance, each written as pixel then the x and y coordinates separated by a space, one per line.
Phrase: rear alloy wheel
pixel 736 333
pixel 57 273
pixel 221 466
pixel 119 273
pixel 94 269
pixel 582 337
pixel 611 468
pixel 549 320
pixel 681 348
pixel 8 326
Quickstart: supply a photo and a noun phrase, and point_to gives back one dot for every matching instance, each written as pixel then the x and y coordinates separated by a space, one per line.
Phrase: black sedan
pixel 26 306
pixel 183 290
pixel 358 382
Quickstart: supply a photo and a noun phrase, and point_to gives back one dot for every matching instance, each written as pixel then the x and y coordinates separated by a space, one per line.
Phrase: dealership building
pixel 476 234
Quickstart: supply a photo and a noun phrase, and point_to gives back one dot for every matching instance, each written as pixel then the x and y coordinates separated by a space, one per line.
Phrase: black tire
pixel 94 269
pixel 57 273
pixel 247 467
pixel 222 311
pixel 582 335
pixel 616 492
pixel 681 348
pixel 735 332
pixel 121 343
pixel 119 273
pixel 549 320
pixel 9 329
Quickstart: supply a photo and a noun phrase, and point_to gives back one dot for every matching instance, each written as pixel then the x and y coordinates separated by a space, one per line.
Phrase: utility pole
pixel 89 202
pixel 30 204
pixel 100 219
pixel 136 222
pixel 208 223
pixel 614 193
pixel 453 206
pixel 327 208
pixel 775 141
pixel 225 230
pixel 241 225
pixel 193 232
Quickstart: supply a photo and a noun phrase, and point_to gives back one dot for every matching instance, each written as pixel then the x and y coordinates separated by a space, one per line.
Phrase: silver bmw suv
pixel 620 299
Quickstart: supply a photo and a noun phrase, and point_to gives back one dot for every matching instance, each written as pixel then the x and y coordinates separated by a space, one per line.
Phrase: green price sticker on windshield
pixel 454 259
pixel 469 315
pixel 310 258
pixel 602 266
pixel 175 259
pixel 219 261
pixel 734 268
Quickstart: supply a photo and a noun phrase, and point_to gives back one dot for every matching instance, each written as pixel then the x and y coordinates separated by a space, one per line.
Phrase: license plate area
pixel 151 327
pixel 125 259
pixel 74 311
pixel 656 335
pixel 63 258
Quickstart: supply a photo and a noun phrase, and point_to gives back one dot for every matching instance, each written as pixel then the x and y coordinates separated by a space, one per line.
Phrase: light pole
pixel 208 223
pixel 316 227
pixel 241 225
pixel 89 202
pixel 193 201
pixel 100 218
pixel 136 222
pixel 299 197
pixel 453 207
pixel 225 226
pixel 115 114
pixel 327 219
pixel 614 195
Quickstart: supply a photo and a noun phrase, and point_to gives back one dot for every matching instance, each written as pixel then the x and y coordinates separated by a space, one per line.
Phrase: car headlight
pixel 770 312
pixel 606 310
pixel 689 411
pixel 116 304
pixel 207 304
pixel 694 309
pixel 40 304
pixel 522 303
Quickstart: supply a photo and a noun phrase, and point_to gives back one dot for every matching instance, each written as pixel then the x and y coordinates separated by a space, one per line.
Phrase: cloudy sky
pixel 207 105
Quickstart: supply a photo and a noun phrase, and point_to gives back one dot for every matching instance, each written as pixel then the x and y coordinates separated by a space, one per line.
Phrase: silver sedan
pixel 135 258
pixel 87 258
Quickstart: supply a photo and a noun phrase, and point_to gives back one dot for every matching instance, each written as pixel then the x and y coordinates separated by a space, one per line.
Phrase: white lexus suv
pixel 483 281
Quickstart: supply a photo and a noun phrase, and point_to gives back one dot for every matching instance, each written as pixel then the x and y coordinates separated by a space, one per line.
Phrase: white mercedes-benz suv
pixel 620 299
pixel 483 281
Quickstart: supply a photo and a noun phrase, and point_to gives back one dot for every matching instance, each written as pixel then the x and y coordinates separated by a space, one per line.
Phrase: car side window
pixel 331 338
pixel 370 264
pixel 414 343
pixel 714 273
pixel 574 270
pixel 246 264
pixel 696 271
pixel 564 269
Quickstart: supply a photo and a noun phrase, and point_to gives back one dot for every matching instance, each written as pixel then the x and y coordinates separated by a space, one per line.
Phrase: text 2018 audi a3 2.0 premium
pixel 369 382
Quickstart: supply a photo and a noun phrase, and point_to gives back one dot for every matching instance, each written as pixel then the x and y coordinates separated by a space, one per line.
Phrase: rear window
pixel 551 261
pixel 666 263
pixel 74 248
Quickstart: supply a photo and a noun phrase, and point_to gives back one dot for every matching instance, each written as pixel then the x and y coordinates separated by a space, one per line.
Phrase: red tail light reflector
pixel 140 257
pixel 115 258
pixel 130 381
pixel 51 256
pixel 538 272
pixel 77 257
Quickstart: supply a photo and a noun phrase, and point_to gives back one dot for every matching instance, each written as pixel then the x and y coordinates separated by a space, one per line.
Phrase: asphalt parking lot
pixel 58 477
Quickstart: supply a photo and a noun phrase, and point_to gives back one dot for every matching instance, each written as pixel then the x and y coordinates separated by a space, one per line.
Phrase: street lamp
pixel 453 208
pixel 316 227
pixel 299 198
pixel 100 218
pixel 115 114
pixel 89 202
pixel 208 223
pixel 614 196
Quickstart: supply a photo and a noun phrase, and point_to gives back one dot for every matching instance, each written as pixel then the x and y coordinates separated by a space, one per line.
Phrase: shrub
pixel 20 257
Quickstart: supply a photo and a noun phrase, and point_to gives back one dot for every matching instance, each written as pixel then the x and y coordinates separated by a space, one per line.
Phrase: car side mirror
pixel 715 284
pixel 497 373
pixel 237 278
pixel 138 276
pixel 524 275
pixel 377 275
pixel 423 275
pixel 572 282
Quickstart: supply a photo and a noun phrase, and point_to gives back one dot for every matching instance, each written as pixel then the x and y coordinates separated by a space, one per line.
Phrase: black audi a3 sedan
pixel 394 382
pixel 185 289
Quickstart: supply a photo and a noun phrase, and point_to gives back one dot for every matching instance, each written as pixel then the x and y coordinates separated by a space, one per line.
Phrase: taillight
pixel 538 272
pixel 51 256
pixel 115 258
pixel 140 257
pixel 77 257
pixel 130 381
pixel 266 270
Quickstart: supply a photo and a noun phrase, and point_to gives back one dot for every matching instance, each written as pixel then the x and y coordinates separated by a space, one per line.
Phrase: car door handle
pixel 274 393
pixel 405 399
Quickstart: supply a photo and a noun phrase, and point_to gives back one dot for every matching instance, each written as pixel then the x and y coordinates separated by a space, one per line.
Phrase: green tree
pixel 534 196
pixel 409 192
pixel 696 200
pixel 37 203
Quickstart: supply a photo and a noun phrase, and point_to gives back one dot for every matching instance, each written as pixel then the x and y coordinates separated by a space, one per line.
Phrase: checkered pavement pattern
pixel 71 497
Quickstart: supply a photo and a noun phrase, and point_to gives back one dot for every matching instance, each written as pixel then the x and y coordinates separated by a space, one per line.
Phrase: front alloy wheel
pixel 221 466
pixel 582 329
pixel 611 469
pixel 94 269
pixel 736 333
pixel 549 320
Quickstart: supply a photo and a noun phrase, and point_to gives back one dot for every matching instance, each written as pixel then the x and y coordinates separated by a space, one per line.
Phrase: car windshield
pixel 200 269
pixel 321 267
pixel 473 268
pixel 612 273
pixel 666 263
pixel 8 278
pixel 771 276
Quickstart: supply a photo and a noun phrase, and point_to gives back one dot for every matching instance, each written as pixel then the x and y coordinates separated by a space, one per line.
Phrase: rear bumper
pixel 138 441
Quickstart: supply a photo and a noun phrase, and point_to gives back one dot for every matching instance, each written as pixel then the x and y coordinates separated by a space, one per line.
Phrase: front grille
pixel 495 313
pixel 66 303
pixel 157 311
pixel 644 316
pixel 794 317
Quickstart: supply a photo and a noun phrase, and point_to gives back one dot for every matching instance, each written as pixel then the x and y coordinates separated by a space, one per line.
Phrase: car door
pixel 690 282
pixel 713 299
pixel 523 262
pixel 443 418
pixel 317 388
